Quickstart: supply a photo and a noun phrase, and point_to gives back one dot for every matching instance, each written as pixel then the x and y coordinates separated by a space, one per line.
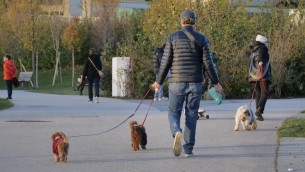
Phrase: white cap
pixel 261 39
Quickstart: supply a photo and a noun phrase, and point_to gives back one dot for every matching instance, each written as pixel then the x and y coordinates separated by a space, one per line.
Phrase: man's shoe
pixel 162 99
pixel 259 116
pixel 177 148
pixel 90 101
pixel 8 98
pixel 96 100
pixel 188 154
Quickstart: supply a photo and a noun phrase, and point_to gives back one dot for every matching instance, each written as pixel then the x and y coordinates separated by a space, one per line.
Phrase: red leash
pixel 253 94
pixel 119 123
pixel 152 101
pixel 263 80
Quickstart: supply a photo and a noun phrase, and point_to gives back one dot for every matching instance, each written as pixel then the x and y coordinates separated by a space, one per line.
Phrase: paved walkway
pixel 25 132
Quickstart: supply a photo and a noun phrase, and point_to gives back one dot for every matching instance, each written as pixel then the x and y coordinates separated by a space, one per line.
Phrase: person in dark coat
pixel 260 73
pixel 91 67
pixel 187 60
pixel 158 53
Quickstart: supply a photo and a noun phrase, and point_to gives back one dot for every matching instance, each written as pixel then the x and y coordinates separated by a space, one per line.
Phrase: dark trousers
pixel 261 95
pixel 96 81
pixel 9 87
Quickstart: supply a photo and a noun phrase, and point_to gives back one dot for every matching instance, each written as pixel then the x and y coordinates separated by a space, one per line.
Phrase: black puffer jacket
pixel 184 61
pixel 89 70
pixel 259 53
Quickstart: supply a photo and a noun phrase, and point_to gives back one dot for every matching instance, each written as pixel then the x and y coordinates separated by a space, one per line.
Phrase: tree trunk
pixel 73 67
pixel 36 69
pixel 56 70
pixel 33 68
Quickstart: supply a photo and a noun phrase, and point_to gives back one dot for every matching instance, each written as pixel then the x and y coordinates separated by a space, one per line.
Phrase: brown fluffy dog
pixel 138 136
pixel 60 146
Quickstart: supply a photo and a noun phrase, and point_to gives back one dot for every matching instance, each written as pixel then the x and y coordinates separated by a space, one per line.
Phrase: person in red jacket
pixel 9 72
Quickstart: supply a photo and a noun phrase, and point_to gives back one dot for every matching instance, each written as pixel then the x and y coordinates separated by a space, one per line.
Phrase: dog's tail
pixel 64 137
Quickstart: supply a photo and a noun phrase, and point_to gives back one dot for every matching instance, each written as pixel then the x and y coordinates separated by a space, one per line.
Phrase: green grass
pixel 5 104
pixel 63 87
pixel 293 127
pixel 45 81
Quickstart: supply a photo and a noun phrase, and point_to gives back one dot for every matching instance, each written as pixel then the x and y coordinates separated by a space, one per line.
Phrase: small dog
pixel 245 116
pixel 138 136
pixel 60 146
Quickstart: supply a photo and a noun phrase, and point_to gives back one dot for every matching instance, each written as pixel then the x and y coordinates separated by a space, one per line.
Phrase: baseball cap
pixel 188 15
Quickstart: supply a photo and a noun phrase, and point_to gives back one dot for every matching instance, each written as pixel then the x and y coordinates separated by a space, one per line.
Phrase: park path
pixel 26 128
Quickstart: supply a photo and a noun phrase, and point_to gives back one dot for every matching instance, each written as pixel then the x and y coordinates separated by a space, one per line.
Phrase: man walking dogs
pixel 187 55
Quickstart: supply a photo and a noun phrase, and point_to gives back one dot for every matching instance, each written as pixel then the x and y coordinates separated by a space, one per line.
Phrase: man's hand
pixel 260 63
pixel 155 85
pixel 218 88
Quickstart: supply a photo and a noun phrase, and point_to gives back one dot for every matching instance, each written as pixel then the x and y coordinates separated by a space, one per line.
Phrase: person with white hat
pixel 260 73
pixel 187 55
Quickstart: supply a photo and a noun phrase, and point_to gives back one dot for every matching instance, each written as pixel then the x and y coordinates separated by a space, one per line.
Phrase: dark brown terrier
pixel 138 136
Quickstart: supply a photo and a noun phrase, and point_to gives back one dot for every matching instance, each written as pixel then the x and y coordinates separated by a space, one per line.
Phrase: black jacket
pixel 184 61
pixel 259 52
pixel 158 53
pixel 89 69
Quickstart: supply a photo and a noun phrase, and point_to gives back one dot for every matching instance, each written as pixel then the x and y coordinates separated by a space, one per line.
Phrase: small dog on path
pixel 60 146
pixel 245 117
pixel 138 136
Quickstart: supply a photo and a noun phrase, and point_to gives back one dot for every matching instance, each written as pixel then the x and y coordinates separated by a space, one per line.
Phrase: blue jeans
pixel 191 94
pixel 9 87
pixel 96 81
pixel 160 92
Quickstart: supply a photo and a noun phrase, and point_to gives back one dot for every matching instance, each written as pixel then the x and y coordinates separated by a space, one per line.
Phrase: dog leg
pixel 245 125
pixel 236 128
pixel 56 158
pixel 254 125
pixel 64 158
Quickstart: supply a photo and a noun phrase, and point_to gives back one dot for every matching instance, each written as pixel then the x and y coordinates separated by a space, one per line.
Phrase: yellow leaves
pixel 71 37
pixel 24 20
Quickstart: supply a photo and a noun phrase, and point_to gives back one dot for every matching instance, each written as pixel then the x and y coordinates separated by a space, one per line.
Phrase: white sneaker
pixel 90 101
pixel 155 99
pixel 96 100
pixel 162 99
pixel 177 148
pixel 188 154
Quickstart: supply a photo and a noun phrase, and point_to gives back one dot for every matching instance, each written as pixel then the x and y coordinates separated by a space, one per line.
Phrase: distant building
pixel 84 8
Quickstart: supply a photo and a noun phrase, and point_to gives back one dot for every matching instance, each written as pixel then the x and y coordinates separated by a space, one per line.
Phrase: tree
pixel 56 27
pixel 26 23
pixel 72 38
pixel 105 16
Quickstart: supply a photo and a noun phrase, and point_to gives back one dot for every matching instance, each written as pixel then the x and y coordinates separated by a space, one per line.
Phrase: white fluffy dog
pixel 245 116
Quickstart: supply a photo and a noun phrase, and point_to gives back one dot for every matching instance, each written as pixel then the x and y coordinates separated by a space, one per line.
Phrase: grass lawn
pixel 5 104
pixel 62 86
pixel 293 127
